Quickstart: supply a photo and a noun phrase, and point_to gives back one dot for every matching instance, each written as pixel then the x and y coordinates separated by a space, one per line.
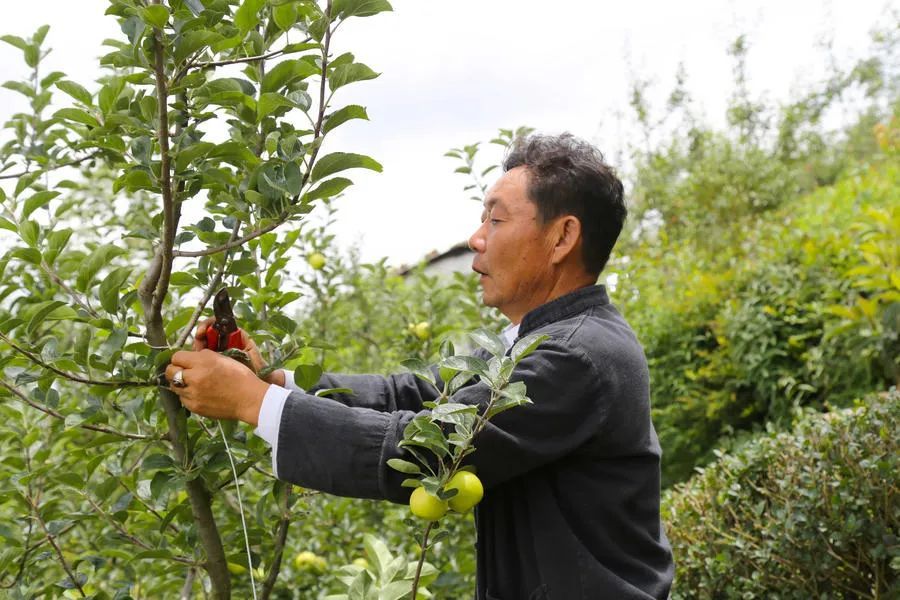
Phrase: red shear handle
pixel 235 340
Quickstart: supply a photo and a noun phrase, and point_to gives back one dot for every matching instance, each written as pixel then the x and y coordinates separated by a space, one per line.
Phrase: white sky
pixel 455 72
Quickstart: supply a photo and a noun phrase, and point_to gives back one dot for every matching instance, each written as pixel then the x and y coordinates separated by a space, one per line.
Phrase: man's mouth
pixel 479 271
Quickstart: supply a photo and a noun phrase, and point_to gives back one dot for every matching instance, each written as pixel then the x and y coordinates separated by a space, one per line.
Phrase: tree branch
pixel 187 590
pixel 52 539
pixel 71 377
pixel 79 300
pixel 317 135
pixel 182 338
pixel 168 238
pixel 280 540
pixel 235 243
pixel 131 538
pixel 71 163
pixel 231 61
pixel 216 564
pixel 49 411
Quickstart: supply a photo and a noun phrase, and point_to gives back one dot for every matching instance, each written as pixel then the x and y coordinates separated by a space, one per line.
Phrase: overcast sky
pixel 455 72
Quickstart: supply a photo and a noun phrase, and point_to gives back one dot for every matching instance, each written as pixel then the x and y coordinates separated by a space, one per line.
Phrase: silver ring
pixel 178 379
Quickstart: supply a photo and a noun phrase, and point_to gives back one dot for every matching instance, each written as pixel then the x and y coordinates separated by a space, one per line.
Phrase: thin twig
pixel 280 541
pixel 71 163
pixel 317 135
pixel 187 590
pixel 79 300
pixel 49 411
pixel 72 377
pixel 415 585
pixel 146 505
pixel 214 284
pixel 238 242
pixel 131 538
pixel 52 539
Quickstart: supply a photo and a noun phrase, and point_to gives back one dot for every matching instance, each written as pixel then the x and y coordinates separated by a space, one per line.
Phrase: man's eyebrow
pixel 490 202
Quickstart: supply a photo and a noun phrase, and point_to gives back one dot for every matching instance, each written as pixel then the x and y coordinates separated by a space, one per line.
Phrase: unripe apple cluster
pixel 469 492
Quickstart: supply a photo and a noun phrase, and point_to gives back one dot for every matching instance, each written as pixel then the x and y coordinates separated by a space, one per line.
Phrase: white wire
pixel 241 508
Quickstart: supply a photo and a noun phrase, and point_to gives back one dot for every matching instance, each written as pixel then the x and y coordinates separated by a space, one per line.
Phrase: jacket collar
pixel 569 305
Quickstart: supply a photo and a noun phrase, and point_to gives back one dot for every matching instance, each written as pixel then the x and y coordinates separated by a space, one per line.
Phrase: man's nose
pixel 476 241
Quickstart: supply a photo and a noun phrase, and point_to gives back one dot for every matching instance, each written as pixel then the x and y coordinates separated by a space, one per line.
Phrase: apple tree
pixel 124 207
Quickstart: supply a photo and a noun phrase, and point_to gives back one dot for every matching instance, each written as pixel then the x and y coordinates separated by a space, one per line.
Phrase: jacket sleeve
pixel 342 449
pixel 402 391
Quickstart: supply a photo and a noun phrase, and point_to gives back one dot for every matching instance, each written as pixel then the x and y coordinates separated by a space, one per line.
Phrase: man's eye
pixel 495 221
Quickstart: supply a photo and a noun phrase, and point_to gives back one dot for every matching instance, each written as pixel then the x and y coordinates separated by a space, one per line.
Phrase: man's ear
pixel 567 232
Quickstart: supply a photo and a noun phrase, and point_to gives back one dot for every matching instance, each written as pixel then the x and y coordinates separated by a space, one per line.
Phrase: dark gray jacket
pixel 571 509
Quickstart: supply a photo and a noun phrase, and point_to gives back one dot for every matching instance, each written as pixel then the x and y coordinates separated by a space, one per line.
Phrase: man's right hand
pixel 276 377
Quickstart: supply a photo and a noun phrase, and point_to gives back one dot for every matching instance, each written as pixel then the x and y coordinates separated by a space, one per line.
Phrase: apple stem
pixel 415 585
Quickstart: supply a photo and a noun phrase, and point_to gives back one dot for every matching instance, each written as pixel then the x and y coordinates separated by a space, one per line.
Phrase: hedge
pixel 814 513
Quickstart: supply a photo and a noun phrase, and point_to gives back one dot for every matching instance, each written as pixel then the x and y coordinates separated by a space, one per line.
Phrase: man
pixel 571 508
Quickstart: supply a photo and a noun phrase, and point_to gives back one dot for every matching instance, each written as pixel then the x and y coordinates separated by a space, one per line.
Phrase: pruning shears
pixel 224 333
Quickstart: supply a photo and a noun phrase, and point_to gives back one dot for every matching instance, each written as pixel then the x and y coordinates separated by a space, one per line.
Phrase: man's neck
pixel 561 286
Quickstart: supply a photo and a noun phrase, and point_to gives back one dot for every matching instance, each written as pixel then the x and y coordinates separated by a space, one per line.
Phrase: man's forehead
pixel 508 191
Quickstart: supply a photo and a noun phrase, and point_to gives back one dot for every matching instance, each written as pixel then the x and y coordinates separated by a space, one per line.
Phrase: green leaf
pixel 157 461
pixel 344 74
pixel 21 87
pixel 328 189
pixel 307 376
pixel 29 232
pixel 526 346
pixel 37 201
pixel 99 258
pixel 182 278
pixel 243 266
pixel 192 41
pixel 16 41
pixel 56 242
pixel 109 289
pixel 137 178
pixel 285 15
pixel 75 90
pixel 378 551
pixel 332 391
pixel 29 255
pixel 113 343
pixel 352 111
pixel 404 466
pixel 420 369
pixel 83 346
pixel 185 156
pixel 156 15
pixel 470 364
pixel 247 15
pixel 489 341
pixel 77 115
pixel 340 161
pixel 285 73
pixel 359 8
pixel 41 311
pixel 8 225
pixel 270 102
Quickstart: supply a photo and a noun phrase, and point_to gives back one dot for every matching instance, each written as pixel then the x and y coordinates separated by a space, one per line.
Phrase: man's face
pixel 513 248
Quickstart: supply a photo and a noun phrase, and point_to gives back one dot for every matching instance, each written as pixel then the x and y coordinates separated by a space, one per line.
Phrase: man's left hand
pixel 216 386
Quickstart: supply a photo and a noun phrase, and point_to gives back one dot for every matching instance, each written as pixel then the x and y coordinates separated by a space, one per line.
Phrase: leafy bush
pixel 800 310
pixel 814 513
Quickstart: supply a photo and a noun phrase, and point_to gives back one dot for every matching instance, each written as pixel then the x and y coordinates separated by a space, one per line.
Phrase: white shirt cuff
pixel 289 381
pixel 269 422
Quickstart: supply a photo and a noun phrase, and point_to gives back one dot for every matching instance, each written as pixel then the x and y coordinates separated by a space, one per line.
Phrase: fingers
pixel 188 360
pixel 171 370
pixel 200 335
